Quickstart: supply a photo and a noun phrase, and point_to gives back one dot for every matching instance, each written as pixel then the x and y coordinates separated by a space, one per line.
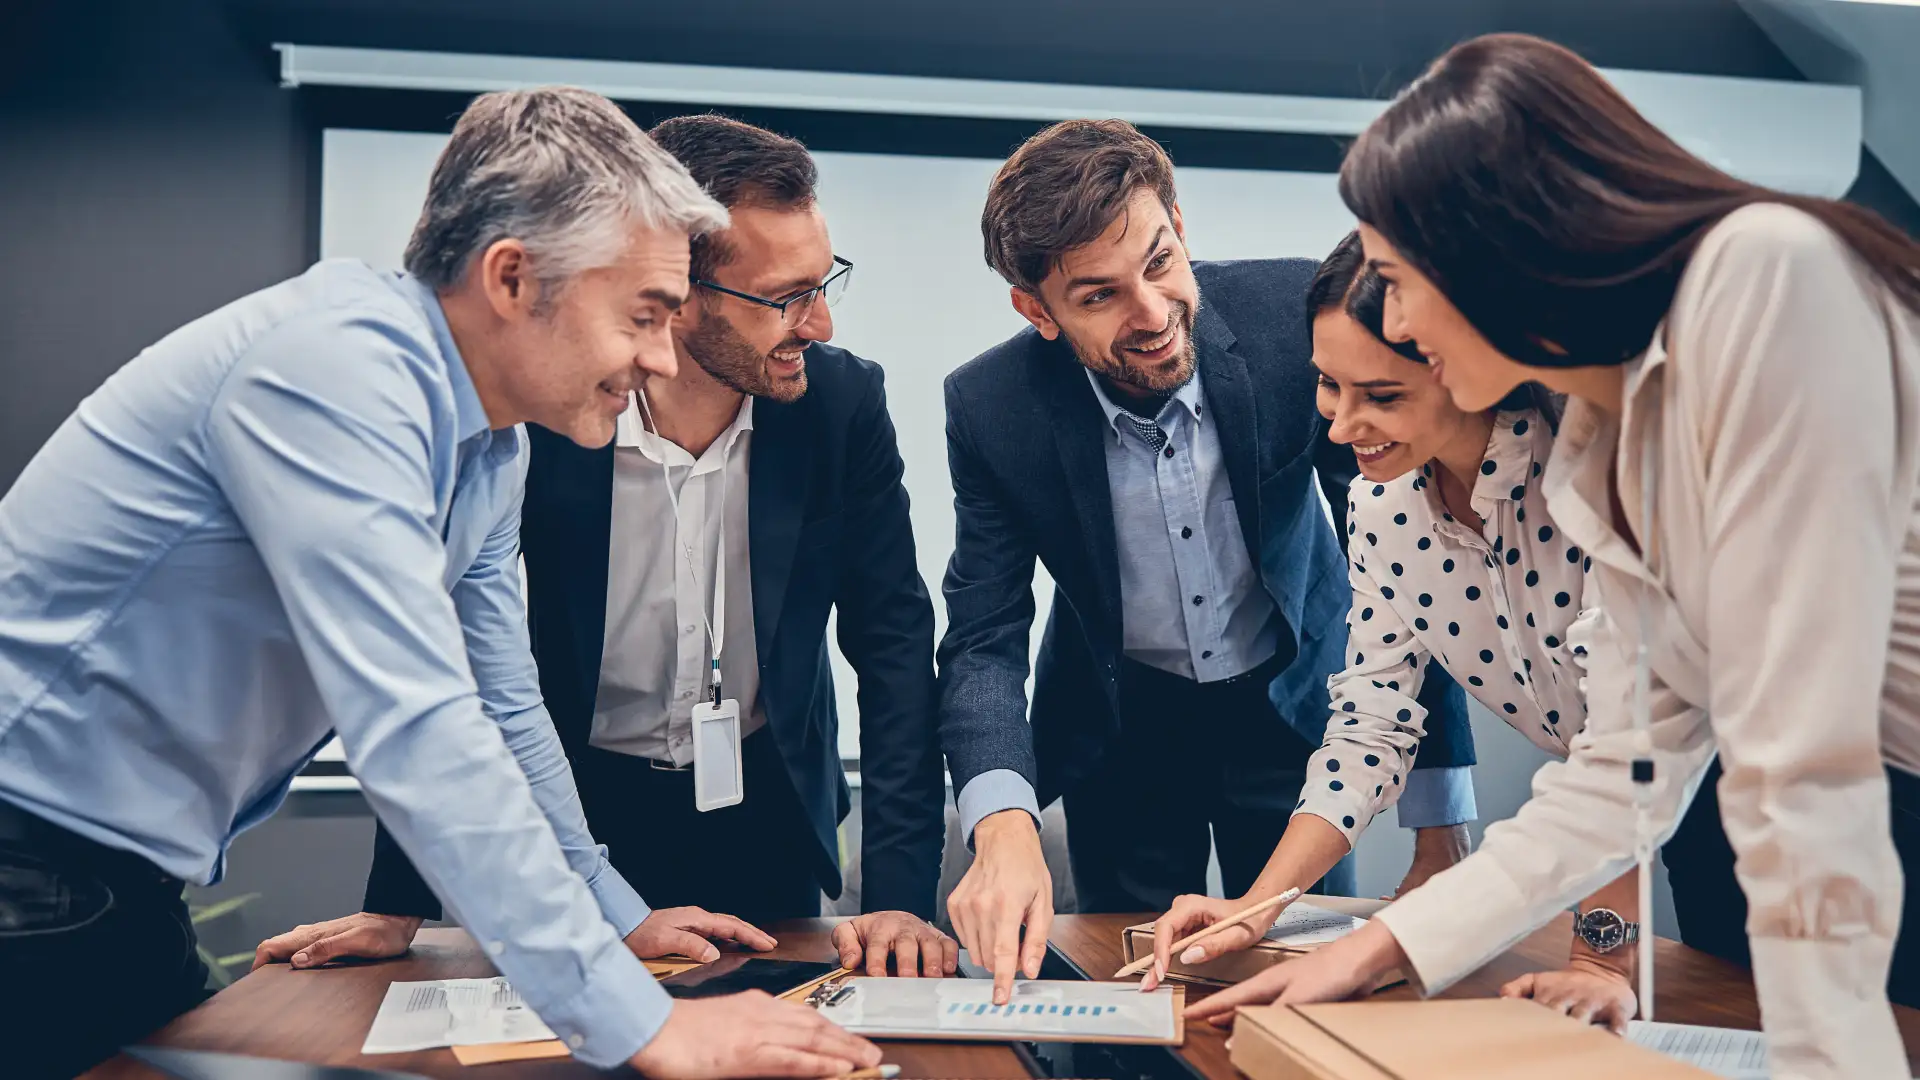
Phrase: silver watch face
pixel 1602 930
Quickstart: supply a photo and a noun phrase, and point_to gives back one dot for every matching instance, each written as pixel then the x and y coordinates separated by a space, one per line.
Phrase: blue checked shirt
pixel 286 519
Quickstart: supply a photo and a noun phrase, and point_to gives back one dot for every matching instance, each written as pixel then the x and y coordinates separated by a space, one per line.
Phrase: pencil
pixel 1248 915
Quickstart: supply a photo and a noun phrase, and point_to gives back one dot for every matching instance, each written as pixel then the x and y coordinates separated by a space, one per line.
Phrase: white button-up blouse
pixel 1776 413
pixel 1497 608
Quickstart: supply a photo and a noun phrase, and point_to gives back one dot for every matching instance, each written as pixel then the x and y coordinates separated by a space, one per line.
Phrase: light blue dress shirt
pixel 286 519
pixel 1192 602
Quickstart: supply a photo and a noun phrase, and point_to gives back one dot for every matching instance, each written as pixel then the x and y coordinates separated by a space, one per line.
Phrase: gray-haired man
pixel 299 515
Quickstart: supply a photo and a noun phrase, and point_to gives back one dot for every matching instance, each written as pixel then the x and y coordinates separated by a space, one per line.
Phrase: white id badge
pixel 716 755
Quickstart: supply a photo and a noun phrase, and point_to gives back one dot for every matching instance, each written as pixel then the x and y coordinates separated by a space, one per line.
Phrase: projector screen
pixel 921 302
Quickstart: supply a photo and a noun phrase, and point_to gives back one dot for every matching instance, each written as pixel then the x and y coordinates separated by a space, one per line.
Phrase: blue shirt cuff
pixel 619 1009
pixel 622 906
pixel 1437 797
pixel 992 792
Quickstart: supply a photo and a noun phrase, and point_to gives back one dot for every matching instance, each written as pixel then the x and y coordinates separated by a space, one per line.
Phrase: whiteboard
pixel 921 302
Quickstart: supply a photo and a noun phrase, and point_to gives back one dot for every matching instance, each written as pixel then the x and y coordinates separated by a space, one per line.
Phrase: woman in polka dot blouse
pixel 1454 561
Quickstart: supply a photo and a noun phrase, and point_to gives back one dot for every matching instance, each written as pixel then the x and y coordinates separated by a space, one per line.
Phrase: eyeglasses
pixel 795 309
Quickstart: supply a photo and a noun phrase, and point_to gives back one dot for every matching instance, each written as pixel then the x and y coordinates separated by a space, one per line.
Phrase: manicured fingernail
pixel 299 959
pixel 1193 955
pixel 710 955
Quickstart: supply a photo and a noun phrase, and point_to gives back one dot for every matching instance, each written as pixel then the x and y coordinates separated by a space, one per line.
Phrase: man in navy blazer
pixel 771 452
pixel 1153 440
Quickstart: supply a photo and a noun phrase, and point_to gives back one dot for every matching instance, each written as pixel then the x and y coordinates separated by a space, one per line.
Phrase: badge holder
pixel 717 774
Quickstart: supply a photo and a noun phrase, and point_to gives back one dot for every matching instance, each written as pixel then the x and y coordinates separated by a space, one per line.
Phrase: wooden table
pixel 322 1016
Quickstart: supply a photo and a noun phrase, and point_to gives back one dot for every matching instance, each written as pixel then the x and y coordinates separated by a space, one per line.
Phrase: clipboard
pixel 960 1010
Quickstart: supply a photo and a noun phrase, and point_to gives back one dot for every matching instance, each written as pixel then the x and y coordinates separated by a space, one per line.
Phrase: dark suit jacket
pixel 1024 441
pixel 827 527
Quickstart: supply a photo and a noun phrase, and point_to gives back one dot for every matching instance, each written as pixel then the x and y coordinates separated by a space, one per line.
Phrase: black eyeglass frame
pixel 842 266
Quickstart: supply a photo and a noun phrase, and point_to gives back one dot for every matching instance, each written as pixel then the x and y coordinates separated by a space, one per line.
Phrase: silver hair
pixel 560 169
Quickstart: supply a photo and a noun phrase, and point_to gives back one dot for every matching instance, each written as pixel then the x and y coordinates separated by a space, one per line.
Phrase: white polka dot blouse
pixel 1500 609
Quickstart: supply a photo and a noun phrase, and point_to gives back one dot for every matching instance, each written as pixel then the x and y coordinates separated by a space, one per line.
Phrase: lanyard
pixel 1643 743
pixel 717 625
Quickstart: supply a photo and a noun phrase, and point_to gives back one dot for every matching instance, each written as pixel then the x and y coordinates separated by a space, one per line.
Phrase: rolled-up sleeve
pixel 331 476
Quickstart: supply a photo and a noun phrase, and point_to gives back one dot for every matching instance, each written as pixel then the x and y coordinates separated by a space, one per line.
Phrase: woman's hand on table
pixel 1191 913
pixel 1347 968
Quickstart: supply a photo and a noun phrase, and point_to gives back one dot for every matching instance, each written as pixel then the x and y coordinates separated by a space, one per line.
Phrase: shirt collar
pixel 1188 397
pixel 630 431
pixel 469 413
pixel 1511 453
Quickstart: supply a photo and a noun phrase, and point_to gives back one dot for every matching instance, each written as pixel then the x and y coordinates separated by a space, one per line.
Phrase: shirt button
pixel 1196 601
pixel 495 948
pixel 687 629
pixel 576 1041
pixel 1206 654
pixel 1168 451
pixel 1186 532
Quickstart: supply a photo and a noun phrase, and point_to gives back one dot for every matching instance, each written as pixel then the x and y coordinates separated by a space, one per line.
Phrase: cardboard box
pixel 1473 1039
pixel 1233 967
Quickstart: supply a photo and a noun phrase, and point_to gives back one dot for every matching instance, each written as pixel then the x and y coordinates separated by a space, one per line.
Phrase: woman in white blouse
pixel 1741 457
pixel 1455 561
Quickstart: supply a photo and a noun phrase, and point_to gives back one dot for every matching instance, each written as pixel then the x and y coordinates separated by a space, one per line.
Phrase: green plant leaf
pixel 214 911
pixel 214 970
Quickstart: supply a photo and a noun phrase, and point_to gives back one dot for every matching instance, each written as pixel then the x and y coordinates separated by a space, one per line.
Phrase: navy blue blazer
pixel 827 528
pixel 1024 443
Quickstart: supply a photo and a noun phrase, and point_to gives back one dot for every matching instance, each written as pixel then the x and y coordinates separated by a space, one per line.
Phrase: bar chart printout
pixel 1039 1010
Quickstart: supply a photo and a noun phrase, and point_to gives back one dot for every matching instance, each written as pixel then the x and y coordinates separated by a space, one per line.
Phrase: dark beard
pixel 722 353
pixel 1117 365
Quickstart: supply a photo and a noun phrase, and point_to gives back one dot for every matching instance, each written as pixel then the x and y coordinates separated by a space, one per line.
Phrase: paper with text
pixel 1724 1052
pixel 451 1012
pixel 1303 926
pixel 1038 1009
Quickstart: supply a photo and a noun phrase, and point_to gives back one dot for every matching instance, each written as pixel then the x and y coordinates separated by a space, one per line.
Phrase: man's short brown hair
pixel 1062 189
pixel 741 166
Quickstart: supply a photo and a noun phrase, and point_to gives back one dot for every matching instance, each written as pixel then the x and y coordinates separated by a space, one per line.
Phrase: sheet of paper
pixel 1039 1008
pixel 1302 926
pixel 451 1012
pixel 1724 1052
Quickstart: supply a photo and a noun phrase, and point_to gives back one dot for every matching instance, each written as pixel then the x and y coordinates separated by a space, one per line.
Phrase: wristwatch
pixel 1604 930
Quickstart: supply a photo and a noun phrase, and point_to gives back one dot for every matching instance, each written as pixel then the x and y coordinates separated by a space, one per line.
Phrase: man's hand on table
pixel 1590 989
pixel 365 936
pixel 868 940
pixel 1343 969
pixel 747 1035
pixel 690 932
pixel 1008 885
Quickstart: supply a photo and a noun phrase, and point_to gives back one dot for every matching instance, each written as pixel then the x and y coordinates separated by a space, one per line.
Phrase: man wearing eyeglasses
pixel 740 501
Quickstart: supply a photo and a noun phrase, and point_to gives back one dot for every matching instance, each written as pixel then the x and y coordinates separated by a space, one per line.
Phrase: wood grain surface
pixel 323 1016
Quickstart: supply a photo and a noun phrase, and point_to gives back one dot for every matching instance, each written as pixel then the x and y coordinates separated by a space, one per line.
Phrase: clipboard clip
pixel 829 993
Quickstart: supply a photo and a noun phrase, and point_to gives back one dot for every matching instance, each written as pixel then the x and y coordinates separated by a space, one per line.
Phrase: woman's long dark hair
pixel 1550 212
pixel 1346 283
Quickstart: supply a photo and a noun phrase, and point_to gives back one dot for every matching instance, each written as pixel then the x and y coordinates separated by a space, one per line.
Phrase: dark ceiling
pixel 1327 47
